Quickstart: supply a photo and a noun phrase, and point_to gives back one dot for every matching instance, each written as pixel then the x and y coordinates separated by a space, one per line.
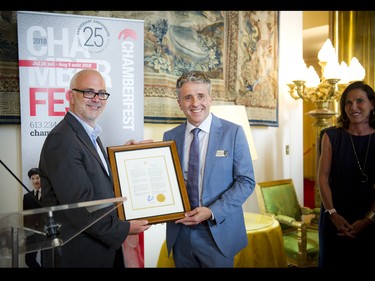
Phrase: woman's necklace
pixel 364 177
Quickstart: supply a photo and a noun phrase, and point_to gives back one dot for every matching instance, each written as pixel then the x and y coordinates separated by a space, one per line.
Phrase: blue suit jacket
pixel 227 182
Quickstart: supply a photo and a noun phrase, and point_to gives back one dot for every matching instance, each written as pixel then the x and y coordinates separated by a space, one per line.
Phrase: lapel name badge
pixel 221 153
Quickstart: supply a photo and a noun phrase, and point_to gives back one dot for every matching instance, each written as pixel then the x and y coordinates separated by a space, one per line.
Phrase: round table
pixel 265 247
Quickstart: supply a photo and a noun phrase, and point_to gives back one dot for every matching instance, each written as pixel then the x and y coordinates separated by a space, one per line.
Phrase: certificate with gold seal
pixel 149 175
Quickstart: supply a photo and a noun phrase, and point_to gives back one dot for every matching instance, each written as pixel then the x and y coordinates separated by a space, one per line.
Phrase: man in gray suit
pixel 74 168
pixel 211 234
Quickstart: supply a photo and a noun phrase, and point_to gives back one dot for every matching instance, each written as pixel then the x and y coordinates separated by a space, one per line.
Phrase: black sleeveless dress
pixel 352 196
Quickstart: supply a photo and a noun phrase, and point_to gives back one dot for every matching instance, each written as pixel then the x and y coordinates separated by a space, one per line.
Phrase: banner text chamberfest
pixel 52 48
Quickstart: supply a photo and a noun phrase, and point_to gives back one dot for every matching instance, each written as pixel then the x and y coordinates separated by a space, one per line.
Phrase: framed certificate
pixel 149 175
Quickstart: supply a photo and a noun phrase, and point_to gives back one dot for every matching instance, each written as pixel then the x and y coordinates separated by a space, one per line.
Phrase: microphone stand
pixel 21 183
pixel 6 167
pixel 52 229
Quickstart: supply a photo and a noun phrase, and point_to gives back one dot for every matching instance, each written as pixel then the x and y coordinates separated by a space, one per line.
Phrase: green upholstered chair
pixel 301 243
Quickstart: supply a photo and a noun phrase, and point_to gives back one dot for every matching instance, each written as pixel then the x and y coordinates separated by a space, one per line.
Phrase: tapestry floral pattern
pixel 237 49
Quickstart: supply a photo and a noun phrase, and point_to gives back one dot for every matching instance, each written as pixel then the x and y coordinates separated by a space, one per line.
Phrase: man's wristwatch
pixel 331 211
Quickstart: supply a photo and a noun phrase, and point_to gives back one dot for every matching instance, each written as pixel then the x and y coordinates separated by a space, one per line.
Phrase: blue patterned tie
pixel 193 170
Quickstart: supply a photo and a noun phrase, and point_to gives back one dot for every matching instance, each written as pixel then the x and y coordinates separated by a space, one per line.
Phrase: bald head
pixel 85 74
pixel 88 109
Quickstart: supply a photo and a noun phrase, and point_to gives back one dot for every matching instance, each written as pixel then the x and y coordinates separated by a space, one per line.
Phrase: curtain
pixel 354 36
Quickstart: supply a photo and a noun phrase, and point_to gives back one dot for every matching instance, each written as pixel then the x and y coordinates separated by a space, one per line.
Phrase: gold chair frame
pixel 296 228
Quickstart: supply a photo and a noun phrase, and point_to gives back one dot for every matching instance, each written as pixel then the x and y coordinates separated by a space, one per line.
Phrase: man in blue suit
pixel 211 234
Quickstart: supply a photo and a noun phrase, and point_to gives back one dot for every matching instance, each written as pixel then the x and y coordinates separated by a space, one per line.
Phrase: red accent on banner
pixel 56 64
pixel 133 250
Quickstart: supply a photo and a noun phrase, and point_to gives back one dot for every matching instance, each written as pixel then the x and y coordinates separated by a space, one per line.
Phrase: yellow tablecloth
pixel 265 247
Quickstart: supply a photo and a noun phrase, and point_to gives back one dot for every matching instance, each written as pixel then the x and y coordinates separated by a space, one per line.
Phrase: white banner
pixel 52 48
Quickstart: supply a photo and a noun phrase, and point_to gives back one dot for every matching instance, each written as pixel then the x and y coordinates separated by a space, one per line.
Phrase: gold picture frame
pixel 149 175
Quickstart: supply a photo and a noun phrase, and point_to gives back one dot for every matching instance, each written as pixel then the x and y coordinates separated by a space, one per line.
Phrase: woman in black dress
pixel 346 176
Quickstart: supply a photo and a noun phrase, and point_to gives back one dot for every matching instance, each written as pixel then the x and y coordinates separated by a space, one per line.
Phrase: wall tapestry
pixel 237 49
pixel 9 78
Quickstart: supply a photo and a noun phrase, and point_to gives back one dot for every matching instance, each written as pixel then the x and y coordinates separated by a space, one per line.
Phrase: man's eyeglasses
pixel 90 94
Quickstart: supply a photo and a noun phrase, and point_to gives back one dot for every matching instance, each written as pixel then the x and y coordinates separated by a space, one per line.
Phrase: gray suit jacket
pixel 71 172
pixel 227 183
